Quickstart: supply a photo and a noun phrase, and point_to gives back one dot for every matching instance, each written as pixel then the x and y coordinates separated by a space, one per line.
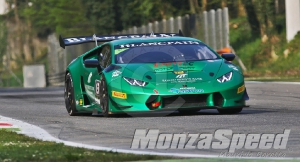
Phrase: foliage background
pixel 257 28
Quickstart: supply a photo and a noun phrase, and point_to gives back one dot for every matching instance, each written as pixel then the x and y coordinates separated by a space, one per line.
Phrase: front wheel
pixel 230 111
pixel 69 96
pixel 104 98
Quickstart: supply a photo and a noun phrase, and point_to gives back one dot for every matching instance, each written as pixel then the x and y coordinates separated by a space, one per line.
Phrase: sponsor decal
pixel 181 80
pixel 167 64
pixel 156 44
pixel 155 91
pixel 77 102
pixel 181 76
pixel 91 91
pixel 80 102
pixel 241 89
pixel 221 139
pixel 118 51
pixel 80 39
pixel 119 95
pixel 179 72
pixel 163 69
pixel 116 73
pixel 185 87
pixel 89 78
pixel 186 90
pixel 233 67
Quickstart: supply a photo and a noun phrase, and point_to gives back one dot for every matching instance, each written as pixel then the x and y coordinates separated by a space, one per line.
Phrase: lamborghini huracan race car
pixel 152 72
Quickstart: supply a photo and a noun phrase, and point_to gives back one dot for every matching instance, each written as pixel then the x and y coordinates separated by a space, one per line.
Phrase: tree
pixel 266 16
pixel 110 16
pixel 252 17
pixel 57 16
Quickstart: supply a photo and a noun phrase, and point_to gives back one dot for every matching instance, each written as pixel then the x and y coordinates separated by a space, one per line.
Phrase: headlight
pixel 226 77
pixel 135 82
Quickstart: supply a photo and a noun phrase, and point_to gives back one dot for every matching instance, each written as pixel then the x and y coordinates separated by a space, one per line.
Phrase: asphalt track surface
pixel 273 107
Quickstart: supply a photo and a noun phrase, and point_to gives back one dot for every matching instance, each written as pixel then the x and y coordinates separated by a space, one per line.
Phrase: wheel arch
pixel 76 79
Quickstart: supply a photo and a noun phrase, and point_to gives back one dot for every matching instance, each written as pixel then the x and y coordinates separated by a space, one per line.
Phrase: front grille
pixel 181 101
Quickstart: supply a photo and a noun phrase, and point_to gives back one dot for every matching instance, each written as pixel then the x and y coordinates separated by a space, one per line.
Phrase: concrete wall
pixel 3 7
pixel 292 10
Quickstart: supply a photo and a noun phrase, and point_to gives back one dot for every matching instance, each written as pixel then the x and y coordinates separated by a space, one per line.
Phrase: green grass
pixel 265 59
pixel 15 147
pixel 7 80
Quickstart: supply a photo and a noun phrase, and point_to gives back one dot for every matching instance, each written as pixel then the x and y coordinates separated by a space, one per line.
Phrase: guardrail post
pixel 213 29
pixel 219 29
pixel 156 27
pixel 164 24
pixel 205 29
pixel 135 31
pixel 226 27
pixel 150 28
pixel 179 22
pixel 171 24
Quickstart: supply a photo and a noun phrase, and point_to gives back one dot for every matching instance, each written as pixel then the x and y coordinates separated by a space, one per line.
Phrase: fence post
pixel 135 30
pixel 179 22
pixel 205 29
pixel 226 27
pixel 143 29
pixel 150 28
pixel 219 29
pixel 129 31
pixel 156 27
pixel 213 29
pixel 164 24
pixel 171 21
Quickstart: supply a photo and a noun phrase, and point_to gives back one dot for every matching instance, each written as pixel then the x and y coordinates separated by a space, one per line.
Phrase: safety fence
pixel 211 27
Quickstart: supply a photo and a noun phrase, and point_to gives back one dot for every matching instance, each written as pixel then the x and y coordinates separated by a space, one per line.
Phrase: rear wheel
pixel 104 99
pixel 69 96
pixel 230 111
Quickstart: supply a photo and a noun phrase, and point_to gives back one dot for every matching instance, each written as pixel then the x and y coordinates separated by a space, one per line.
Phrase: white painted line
pixel 258 82
pixel 39 133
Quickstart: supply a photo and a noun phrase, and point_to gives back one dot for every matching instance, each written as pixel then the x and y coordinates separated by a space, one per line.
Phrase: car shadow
pixel 245 111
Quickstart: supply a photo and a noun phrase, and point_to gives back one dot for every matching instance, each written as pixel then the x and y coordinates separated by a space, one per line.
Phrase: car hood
pixel 173 72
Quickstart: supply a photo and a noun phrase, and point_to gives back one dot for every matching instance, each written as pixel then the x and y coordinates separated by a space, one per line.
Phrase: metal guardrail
pixel 56 79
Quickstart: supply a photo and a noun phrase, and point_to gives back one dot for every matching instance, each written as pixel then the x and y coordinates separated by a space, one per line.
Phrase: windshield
pixel 153 52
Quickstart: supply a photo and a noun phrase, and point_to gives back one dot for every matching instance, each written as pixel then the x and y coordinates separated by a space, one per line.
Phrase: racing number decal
pixel 97 89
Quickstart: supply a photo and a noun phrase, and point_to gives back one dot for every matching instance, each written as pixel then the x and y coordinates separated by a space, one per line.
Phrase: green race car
pixel 149 73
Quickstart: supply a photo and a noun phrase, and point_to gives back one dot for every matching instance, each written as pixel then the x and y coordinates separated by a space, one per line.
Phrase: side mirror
pixel 228 56
pixel 92 63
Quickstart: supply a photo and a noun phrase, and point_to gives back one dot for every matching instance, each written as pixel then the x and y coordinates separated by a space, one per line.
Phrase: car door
pixel 104 59
pixel 90 75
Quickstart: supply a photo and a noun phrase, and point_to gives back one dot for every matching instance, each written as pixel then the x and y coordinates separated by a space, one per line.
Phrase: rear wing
pixel 106 38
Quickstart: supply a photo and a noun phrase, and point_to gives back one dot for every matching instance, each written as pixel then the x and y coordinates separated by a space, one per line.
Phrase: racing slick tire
pixel 230 111
pixel 104 98
pixel 69 96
